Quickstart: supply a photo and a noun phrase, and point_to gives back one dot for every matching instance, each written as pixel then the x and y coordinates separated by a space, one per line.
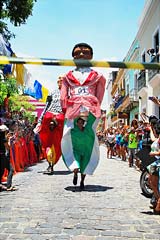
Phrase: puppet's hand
pixel 37 129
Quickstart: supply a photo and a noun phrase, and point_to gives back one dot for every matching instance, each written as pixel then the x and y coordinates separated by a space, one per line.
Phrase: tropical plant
pixel 17 100
pixel 7 85
pixel 21 103
pixel 16 11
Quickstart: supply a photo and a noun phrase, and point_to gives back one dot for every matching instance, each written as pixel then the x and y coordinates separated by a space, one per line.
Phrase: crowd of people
pixel 20 147
pixel 139 145
pixel 125 141
pixel 68 121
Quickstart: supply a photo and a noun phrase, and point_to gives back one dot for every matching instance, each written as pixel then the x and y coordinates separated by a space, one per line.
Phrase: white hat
pixel 3 128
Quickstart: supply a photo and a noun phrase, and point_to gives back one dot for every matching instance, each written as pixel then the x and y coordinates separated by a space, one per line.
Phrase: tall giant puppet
pixel 82 92
pixel 50 128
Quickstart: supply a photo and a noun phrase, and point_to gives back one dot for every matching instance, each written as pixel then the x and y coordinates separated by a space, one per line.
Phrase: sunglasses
pixel 83 52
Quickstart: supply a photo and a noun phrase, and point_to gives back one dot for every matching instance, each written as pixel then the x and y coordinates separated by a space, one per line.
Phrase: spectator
pixel 110 138
pixel 132 145
pixel 5 162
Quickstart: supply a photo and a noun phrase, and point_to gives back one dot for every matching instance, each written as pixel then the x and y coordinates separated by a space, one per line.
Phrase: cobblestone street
pixel 49 207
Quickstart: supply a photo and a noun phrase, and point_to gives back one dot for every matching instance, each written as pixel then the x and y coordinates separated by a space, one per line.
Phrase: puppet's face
pixel 52 125
pixel 82 53
pixel 80 123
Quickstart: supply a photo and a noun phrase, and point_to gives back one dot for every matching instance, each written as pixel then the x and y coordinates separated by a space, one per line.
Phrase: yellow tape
pixel 81 63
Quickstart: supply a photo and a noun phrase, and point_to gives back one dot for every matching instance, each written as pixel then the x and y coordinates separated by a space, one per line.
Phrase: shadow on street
pixel 56 172
pixel 149 213
pixel 88 188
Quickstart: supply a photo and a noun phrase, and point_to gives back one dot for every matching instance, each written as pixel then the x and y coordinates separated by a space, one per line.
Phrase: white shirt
pixel 81 74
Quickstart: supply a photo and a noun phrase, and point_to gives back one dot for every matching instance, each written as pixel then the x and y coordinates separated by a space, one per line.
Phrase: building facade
pixel 131 89
pixel 149 39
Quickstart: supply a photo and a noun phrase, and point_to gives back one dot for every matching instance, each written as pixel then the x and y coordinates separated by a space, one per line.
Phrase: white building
pixel 149 41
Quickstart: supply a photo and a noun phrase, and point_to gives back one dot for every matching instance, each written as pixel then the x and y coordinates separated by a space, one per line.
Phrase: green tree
pixel 16 11
pixel 7 85
pixel 16 100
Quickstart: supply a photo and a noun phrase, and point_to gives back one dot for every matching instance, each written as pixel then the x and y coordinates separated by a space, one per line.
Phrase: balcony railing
pixel 133 95
pixel 141 80
pixel 119 102
pixel 131 98
pixel 153 72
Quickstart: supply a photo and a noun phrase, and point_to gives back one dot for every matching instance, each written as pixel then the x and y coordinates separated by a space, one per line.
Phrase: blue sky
pixel 109 26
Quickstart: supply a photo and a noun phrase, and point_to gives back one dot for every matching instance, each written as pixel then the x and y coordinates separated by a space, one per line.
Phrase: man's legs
pixel 50 154
pixel 2 168
pixel 82 181
pixel 75 177
pixel 10 169
pixel 130 159
pixel 10 176
pixel 49 169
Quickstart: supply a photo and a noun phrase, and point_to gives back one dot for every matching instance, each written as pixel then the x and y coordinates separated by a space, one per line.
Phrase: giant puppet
pixel 82 92
pixel 50 128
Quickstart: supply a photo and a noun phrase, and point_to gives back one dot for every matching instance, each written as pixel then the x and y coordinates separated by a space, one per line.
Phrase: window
pixel 156 42
pixel 127 89
pixel 136 81
pixel 143 57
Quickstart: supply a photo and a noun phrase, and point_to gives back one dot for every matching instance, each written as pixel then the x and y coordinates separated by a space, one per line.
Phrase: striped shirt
pixel 53 104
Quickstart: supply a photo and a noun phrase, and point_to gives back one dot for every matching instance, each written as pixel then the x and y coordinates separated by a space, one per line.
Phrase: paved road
pixel 49 207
